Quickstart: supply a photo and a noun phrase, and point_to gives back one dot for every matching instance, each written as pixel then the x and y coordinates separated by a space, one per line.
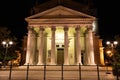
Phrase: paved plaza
pixel 55 73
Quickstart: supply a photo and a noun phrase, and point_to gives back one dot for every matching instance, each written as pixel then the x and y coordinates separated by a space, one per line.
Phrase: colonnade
pixel 31 44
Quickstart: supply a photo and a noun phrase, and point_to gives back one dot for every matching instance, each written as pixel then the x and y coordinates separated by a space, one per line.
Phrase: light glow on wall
pixel 60 38
pixel 95 27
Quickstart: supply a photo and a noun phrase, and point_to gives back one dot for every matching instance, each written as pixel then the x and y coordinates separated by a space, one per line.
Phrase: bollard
pixel 45 72
pixel 62 72
pixel 98 72
pixel 79 71
pixel 27 71
pixel 10 70
pixel 117 77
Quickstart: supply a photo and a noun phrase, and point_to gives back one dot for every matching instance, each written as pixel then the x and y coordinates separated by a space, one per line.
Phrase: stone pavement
pixel 55 73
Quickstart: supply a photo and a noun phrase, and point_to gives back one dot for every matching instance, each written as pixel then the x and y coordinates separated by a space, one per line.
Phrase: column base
pixel 90 64
pixel 26 64
pixel 79 64
pixel 40 63
pixel 52 63
pixel 66 64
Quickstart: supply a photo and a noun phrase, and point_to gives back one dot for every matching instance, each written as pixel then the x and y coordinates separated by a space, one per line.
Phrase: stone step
pixel 59 68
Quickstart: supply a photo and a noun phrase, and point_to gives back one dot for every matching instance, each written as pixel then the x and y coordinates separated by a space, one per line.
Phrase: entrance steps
pixel 65 67
pixel 55 72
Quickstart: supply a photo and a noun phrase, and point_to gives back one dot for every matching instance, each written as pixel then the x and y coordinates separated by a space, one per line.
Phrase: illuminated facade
pixel 61 35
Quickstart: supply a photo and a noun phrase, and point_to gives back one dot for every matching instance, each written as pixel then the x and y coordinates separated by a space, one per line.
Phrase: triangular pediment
pixel 60 12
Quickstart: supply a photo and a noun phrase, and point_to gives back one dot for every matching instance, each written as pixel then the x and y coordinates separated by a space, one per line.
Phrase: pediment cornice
pixel 60 12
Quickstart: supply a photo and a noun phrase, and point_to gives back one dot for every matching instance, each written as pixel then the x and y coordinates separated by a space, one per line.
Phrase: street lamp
pixel 6 45
pixel 110 51
pixel 109 54
pixel 112 45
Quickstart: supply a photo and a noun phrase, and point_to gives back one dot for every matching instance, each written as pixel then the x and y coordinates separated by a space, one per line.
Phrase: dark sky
pixel 13 12
pixel 108 13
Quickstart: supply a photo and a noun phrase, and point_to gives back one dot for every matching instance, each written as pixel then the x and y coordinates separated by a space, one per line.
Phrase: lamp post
pixel 112 45
pixel 110 51
pixel 109 54
pixel 6 44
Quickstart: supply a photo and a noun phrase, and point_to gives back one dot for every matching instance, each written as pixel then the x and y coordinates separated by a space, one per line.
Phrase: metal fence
pixel 54 72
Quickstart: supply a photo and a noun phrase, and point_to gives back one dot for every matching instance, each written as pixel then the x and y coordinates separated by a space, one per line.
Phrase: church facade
pixel 61 35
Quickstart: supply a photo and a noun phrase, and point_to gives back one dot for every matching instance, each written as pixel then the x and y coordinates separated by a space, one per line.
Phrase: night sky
pixel 13 13
pixel 108 17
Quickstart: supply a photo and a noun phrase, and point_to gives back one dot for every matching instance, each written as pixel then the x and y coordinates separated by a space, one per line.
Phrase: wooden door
pixel 60 56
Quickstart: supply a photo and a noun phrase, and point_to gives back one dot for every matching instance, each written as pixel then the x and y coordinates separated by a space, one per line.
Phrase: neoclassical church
pixel 63 32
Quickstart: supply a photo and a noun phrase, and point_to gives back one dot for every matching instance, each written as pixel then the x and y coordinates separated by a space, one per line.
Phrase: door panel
pixel 60 56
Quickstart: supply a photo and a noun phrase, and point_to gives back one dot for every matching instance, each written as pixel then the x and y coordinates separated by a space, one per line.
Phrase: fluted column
pixel 66 62
pixel 33 48
pixel 85 55
pixel 78 47
pixel 30 53
pixel 89 47
pixel 41 46
pixel 53 46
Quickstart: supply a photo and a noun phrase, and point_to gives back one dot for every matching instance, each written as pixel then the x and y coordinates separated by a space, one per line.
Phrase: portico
pixel 60 36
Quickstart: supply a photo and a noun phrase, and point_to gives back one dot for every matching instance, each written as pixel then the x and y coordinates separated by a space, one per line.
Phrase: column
pixel 66 41
pixel 30 53
pixel 89 47
pixel 78 49
pixel 41 45
pixel 101 49
pixel 33 48
pixel 85 55
pixel 102 56
pixel 53 46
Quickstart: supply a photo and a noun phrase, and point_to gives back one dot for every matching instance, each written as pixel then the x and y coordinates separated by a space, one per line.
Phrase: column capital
pixel 77 28
pixel 53 29
pixel 30 28
pixel 65 28
pixel 89 27
pixel 41 29
pixel 31 31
